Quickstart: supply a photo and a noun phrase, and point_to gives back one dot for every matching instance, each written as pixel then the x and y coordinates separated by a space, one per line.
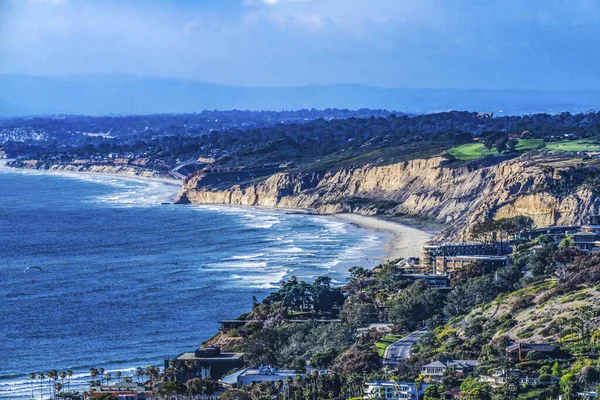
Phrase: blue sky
pixel 538 44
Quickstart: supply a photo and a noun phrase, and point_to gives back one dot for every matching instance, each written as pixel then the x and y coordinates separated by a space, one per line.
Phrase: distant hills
pixel 22 95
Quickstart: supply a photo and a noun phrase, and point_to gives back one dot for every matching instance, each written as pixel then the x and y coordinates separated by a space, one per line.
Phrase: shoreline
pixel 406 240
pixel 140 178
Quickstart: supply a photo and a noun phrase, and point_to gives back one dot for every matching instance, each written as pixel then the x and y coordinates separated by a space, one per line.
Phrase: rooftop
pixel 267 370
pixel 451 363
pixel 532 346
pixel 478 257
pixel 222 356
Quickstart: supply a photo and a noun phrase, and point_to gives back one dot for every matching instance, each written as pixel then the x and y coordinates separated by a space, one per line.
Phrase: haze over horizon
pixel 542 45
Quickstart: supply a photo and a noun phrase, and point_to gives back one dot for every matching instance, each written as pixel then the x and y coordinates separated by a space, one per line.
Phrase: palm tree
pixel 278 386
pixel 41 377
pixel 57 387
pixel 107 377
pixel 52 374
pixel 118 375
pixel 288 384
pixel 32 377
pixel 101 373
pixel 139 372
pixel 62 375
pixel 69 375
pixel 93 374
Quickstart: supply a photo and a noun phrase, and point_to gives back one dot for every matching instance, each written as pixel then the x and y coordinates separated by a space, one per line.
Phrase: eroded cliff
pixel 550 189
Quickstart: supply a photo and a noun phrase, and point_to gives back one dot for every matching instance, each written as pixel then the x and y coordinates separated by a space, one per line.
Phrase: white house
pixel 392 390
pixel 435 370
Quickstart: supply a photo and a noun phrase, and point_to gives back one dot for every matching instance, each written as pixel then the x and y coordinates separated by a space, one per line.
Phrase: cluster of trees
pixel 311 386
pixel 500 141
pixel 326 138
pixel 192 387
pixel 319 297
pixel 57 384
pixel 500 230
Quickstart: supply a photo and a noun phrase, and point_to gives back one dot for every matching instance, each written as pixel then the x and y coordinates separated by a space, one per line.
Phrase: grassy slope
pixel 385 342
pixel 473 151
pixel 470 151
pixel 528 315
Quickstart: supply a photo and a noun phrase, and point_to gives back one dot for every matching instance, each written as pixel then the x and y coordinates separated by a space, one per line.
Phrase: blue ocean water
pixel 127 281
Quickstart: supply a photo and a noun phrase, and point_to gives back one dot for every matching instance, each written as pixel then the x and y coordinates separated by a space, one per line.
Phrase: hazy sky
pixel 392 43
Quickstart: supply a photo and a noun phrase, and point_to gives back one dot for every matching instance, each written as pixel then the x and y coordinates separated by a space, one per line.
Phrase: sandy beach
pixel 406 241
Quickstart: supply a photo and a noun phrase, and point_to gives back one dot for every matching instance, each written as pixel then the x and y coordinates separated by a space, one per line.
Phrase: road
pixel 400 349
pixel 175 171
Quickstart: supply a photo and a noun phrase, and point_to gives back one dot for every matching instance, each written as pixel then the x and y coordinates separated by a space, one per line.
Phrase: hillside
pixel 551 189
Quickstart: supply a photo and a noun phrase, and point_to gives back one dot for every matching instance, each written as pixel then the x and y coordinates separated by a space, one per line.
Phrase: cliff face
pixel 126 170
pixel 457 196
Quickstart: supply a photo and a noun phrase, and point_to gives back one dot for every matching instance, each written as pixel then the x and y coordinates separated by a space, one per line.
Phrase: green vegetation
pixel 530 144
pixel 469 151
pixel 474 151
pixel 384 342
pixel 574 145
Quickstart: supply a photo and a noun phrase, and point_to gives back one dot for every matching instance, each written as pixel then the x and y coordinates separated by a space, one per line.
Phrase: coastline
pixel 167 181
pixel 401 238
pixel 406 240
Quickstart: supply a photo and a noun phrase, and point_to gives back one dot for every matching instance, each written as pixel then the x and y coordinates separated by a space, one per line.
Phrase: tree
pixel 565 255
pixel 500 143
pixel 41 377
pixel 568 386
pixel 556 370
pixel 513 386
pixel 197 386
pixel 324 298
pixel 416 304
pixel 567 241
pixel 358 313
pixel 431 392
pixel 299 365
pixel 69 376
pixel 278 387
pixel 323 359
pixel 357 359
pixel 32 377
pixel 62 375
pixel 173 388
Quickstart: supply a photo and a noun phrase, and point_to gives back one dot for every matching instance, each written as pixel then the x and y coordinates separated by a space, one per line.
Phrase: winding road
pixel 400 349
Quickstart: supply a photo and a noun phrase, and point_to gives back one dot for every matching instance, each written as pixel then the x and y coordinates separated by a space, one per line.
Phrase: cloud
pixel 427 43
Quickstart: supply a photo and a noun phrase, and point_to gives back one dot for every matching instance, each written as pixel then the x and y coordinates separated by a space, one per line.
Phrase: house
pixel 393 390
pixel 451 394
pixel 447 265
pixel 519 351
pixel 499 378
pixel 121 390
pixel 585 241
pixel 556 232
pixel 264 373
pixel 433 250
pixel 207 362
pixel 435 370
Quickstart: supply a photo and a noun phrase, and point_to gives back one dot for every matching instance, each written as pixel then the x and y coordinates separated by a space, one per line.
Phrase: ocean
pixel 126 281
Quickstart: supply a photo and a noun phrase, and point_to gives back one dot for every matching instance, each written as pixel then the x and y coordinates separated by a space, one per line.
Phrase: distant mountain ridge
pixel 22 95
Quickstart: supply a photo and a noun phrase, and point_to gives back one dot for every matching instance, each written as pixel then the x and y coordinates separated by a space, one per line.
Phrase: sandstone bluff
pixel 553 190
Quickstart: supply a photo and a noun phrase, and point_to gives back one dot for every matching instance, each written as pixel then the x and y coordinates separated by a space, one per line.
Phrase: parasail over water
pixel 33 268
